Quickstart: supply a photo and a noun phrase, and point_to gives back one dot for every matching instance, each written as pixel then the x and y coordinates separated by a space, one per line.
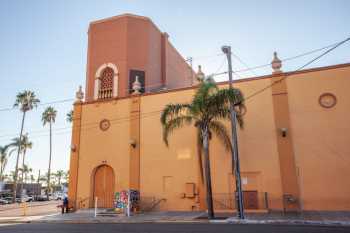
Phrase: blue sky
pixel 43 48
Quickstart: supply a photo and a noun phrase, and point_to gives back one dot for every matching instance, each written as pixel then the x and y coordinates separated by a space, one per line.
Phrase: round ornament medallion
pixel 105 124
pixel 327 100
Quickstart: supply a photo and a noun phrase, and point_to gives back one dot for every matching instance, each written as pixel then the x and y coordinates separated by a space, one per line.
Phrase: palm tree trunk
pixel 17 159
pixel 22 173
pixel 207 173
pixel 49 170
pixel 2 168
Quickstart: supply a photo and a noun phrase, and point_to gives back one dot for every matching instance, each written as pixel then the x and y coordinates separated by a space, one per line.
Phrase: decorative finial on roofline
pixel 79 95
pixel 276 64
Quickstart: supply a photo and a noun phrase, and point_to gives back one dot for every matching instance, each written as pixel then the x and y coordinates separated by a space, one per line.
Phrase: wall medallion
pixel 105 124
pixel 327 100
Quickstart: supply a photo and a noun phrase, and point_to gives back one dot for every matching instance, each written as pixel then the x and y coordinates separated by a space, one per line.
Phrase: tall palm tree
pixel 25 101
pixel 69 116
pixel 209 106
pixel 49 116
pixel 59 175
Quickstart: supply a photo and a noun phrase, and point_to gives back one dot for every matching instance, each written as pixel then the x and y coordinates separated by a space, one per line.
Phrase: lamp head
pixel 226 49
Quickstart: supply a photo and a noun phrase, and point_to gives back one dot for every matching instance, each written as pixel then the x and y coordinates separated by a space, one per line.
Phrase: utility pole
pixel 235 157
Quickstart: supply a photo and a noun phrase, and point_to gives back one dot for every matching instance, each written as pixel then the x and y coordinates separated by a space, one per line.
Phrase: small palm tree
pixel 25 101
pixel 69 116
pixel 26 170
pixel 49 116
pixel 42 179
pixel 66 176
pixel 209 106
pixel 32 178
pixel 25 145
pixel 59 175
pixel 5 153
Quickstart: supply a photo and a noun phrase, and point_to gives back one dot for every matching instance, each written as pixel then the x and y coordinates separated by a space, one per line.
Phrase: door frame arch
pixel 92 182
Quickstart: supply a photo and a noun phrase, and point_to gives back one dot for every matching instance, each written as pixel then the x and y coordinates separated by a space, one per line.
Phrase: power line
pixel 149 114
pixel 300 68
pixel 40 104
pixel 84 125
pixel 214 74
pixel 204 57
pixel 243 63
pixel 283 60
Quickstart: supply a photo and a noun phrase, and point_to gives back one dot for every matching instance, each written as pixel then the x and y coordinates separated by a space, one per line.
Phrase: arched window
pixel 106 82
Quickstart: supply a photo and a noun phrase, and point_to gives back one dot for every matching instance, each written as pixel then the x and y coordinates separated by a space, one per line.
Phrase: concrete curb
pixel 226 221
pixel 286 222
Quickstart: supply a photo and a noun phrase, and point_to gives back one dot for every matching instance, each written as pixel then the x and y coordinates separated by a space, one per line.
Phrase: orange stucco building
pixel 294 148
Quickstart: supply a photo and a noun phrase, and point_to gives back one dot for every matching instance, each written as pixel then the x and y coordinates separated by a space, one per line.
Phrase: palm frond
pixel 173 124
pixel 205 89
pixel 221 132
pixel 69 116
pixel 26 101
pixel 172 111
pixel 49 115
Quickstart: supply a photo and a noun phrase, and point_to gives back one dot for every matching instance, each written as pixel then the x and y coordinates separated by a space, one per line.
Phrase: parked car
pixel 3 201
pixel 58 196
pixel 26 198
pixel 41 198
pixel 8 199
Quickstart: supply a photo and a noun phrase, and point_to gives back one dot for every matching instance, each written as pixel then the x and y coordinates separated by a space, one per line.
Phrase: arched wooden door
pixel 104 186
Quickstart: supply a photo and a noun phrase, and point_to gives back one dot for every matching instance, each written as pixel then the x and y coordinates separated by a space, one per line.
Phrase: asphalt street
pixel 163 227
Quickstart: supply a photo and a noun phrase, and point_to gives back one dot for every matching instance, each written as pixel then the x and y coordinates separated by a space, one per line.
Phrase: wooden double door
pixel 104 186
pixel 250 199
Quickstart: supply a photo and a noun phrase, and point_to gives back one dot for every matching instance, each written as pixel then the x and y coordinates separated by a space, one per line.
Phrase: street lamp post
pixel 235 158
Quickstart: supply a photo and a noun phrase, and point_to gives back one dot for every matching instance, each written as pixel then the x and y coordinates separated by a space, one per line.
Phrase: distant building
pixel 294 149
pixel 28 188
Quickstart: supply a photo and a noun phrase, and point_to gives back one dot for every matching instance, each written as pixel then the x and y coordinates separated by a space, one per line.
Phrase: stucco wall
pixel 178 72
pixel 165 170
pixel 321 138
pixel 107 44
pixel 133 42
pixel 99 147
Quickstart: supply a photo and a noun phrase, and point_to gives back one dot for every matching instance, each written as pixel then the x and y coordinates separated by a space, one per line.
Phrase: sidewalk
pixel 87 216
pixel 340 218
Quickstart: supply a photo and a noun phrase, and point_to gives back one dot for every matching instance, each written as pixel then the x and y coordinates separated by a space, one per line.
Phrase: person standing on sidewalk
pixel 65 204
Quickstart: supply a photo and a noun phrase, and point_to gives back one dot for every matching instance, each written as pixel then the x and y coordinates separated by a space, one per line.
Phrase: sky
pixel 43 46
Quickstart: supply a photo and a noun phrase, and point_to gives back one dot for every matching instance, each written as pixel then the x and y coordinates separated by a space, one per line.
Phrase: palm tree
pixel 4 156
pixel 25 144
pixel 66 176
pixel 59 175
pixel 32 178
pixel 209 106
pixel 49 116
pixel 69 116
pixel 11 176
pixel 42 178
pixel 25 170
pixel 25 101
